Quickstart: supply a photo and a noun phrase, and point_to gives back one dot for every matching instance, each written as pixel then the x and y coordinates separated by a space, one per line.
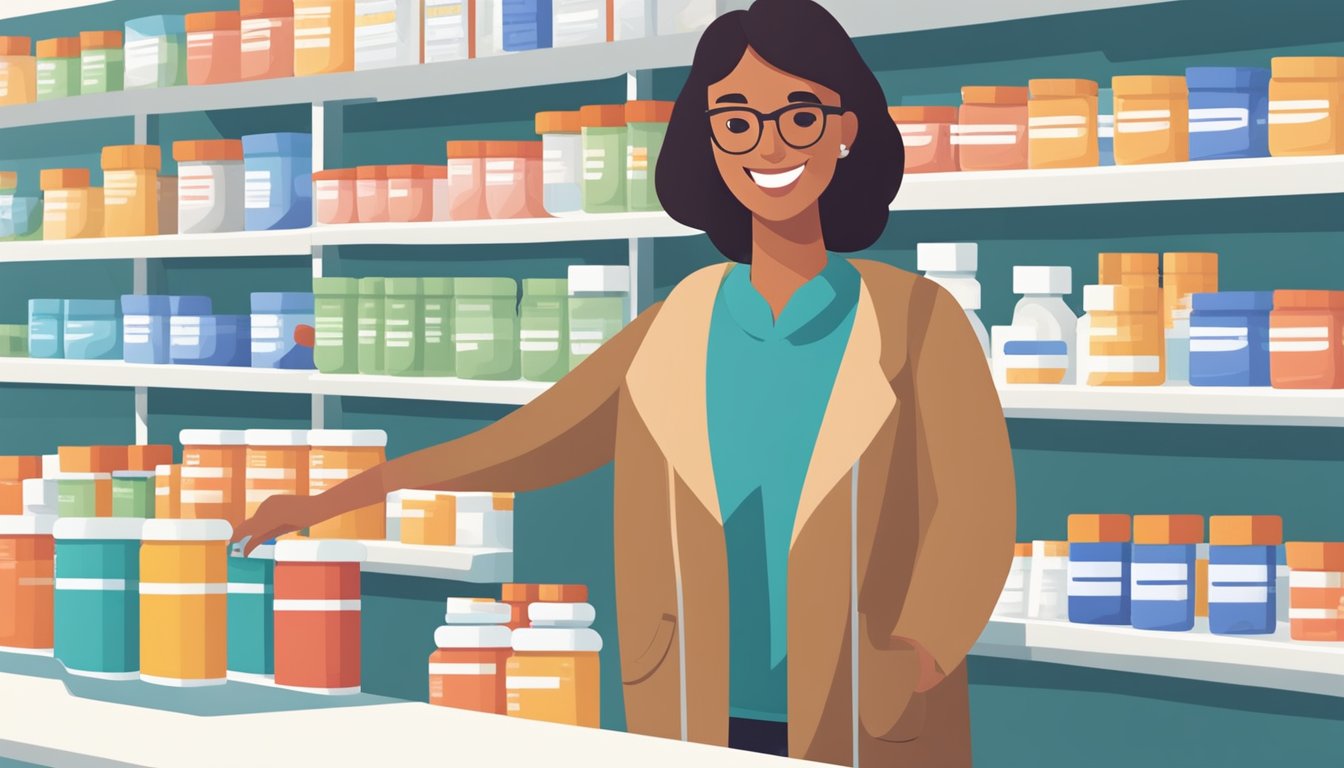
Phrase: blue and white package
pixel 1229 339
pixel 278 174
pixel 147 327
pixel 1099 582
pixel 44 328
pixel 526 24
pixel 1229 112
pixel 211 340
pixel 275 319
pixel 1242 586
pixel 92 330
pixel 1162 595
pixel 1105 127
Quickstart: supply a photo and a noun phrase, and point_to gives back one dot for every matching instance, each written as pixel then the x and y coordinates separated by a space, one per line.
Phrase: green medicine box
pixel 84 495
pixel 543 335
pixel 133 494
pixel 336 310
pixel 102 62
pixel 13 341
pixel 58 68
pixel 370 324
pixel 440 358
pixel 403 326
pixel 485 328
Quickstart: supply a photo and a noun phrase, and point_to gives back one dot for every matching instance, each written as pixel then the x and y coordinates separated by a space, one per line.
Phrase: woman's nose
pixel 772 148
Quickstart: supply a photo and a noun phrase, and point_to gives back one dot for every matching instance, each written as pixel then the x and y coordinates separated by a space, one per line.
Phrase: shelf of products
pixel 1169 404
pixel 477 565
pixel 36 713
pixel 571 227
pixel 292 242
pixel 1261 661
pixel 1201 180
pixel 13 9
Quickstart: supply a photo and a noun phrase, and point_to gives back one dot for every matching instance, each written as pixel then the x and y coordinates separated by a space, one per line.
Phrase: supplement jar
pixel 1306 340
pixel 554 675
pixel 1306 106
pixel 646 127
pixel 1152 120
pixel 1316 584
pixel 211 186
pixel 386 33
pixel 133 494
pixel 155 52
pixel 466 180
pixel 276 318
pixel 562 161
pixel 334 192
pixel 18 71
pixel 410 191
pixel 1099 569
pixel 102 60
pixel 580 22
pixel 1127 346
pixel 131 190
pixel 439 355
pixel 485 328
pixel 58 65
pixel 276 465
pixel 96 611
pixel 27 571
pixel 279 180
pixel 168 491
pixel 604 156
pixel 1243 566
pixel 336 455
pixel 73 208
pixel 336 306
pixel 1013 600
pixel 317 616
pixel 1163 593
pixel 213 47
pixel 267 37
pixel 44 328
pixel 214 475
pixel 92 330
pixel 429 518
pixel 467 670
pixel 324 36
pixel 210 340
pixel 513 180
pixel 449 30
pixel 525 25
pixel 370 325
pixel 184 602
pixel 251 598
pixel 403 324
pixel 544 330
pixel 927 135
pixel 1229 339
pixel 991 131
pixel 371 187
pixel 1062 124
pixel 1229 112
pixel 599 307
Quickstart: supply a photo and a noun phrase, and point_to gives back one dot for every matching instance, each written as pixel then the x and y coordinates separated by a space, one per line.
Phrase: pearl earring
pixel 844 151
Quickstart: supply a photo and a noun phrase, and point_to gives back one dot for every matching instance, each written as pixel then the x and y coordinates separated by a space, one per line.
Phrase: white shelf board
pixel 863 18
pixel 1264 661
pixel 290 242
pixel 12 9
pixel 420 388
pixel 114 373
pixel 478 565
pixel 603 226
pixel 1202 180
pixel 1262 406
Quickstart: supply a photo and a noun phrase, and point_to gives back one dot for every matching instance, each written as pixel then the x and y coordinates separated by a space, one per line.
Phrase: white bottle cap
pixel 1048 280
pixel 588 278
pixel 966 290
pixel 1098 298
pixel 947 257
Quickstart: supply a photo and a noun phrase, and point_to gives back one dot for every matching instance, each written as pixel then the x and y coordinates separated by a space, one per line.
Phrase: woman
pixel 814 502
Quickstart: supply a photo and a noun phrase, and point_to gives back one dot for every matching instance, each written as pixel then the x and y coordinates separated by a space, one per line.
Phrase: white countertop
pixel 40 722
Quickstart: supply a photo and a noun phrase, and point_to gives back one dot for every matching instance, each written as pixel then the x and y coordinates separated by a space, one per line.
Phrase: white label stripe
pixel 1316 579
pixel 463 669
pixel 522 682
pixel 104 585
pixel 316 605
pixel 157 588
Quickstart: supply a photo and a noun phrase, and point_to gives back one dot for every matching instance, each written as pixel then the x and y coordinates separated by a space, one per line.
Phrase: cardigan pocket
pixel 651 660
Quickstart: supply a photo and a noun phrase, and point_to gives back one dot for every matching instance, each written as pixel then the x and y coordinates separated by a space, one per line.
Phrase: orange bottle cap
pixel 1315 555
pixel 8 179
pixel 132 157
pixel 335 174
pixel 520 593
pixel 1246 530
pixel 562 593
pixel 648 111
pixel 1168 529
pixel 558 122
pixel 1057 87
pixel 526 150
pixel 1149 85
pixel 1308 67
pixel 214 150
pixel 147 458
pixel 266 9
pixel 16 46
pixel 1022 549
pixel 374 172
pixel 20 467
pixel 409 171
pixel 1309 299
pixel 465 149
pixel 64 178
pixel 1054 548
pixel 92 458
pixel 99 40
pixel 1127 263
pixel 1092 529
pixel 58 48
pixel 1008 95
pixel 1190 262
pixel 923 114
pixel 603 116
pixel 214 21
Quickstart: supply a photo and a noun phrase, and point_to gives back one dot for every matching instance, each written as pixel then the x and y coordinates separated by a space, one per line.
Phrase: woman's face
pixel 785 172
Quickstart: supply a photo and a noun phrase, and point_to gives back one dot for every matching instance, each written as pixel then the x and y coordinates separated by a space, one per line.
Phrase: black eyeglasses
pixel 737 130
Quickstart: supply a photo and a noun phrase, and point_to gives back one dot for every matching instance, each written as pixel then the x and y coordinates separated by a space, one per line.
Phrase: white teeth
pixel 776 180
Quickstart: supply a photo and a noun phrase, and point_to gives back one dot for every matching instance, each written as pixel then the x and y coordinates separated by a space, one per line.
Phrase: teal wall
pixel 1051 713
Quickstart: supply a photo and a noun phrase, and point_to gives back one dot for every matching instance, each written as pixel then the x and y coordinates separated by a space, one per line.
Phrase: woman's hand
pixel 279 515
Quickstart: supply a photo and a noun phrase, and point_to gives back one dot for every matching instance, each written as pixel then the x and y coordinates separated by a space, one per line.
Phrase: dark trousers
pixel 758 736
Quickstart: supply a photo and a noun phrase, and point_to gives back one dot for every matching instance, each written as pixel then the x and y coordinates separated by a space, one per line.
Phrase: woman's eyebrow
pixel 804 96
pixel 731 98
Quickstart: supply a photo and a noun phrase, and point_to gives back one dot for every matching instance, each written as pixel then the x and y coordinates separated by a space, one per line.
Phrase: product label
pixel 1252 574
pixel 271 473
pixel 142 60
pixel 257 190
pixel 989 134
pixel 119 187
pixel 1299 339
pixel 463 669
pixel 312 27
pixel 1316 579
pixel 1109 588
pixel 328 190
pixel 1159 572
pixel 397 194
pixel 198 186
pixel 594 164
pixel 1094 570
pixel 256 34
pixel 1143 121
pixel 1219 119
pixel 1298 111
pixel 528 682
pixel 1220 594
pixel 1057 127
pixel 637 163
pixel 1160 592
pixel 1330 614
pixel 1124 363
pixel 195 496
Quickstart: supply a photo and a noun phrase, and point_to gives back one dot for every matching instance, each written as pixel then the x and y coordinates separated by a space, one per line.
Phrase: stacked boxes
pixel 554 673
pixel 1099 569
pixel 1316 583
pixel 467 669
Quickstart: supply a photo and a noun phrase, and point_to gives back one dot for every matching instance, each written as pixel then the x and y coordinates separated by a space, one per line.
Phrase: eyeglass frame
pixel 768 117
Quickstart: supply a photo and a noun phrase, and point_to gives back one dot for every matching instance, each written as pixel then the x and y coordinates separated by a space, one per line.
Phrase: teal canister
pixel 97 596
pixel 251 614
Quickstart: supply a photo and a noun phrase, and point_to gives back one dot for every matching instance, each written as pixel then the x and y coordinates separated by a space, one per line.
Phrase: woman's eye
pixel 804 119
pixel 737 125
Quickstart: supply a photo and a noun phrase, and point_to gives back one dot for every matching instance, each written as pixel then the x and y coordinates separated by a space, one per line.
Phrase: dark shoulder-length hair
pixel 801 38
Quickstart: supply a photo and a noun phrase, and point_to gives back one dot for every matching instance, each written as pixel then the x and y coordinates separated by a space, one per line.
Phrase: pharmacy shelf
pixel 1204 180
pixel 1266 661
pixel 503 72
pixel 114 373
pixel 1250 406
pixel 12 9
pixel 292 242
pixel 575 227
pixel 416 388
pixel 477 565
pixel 37 714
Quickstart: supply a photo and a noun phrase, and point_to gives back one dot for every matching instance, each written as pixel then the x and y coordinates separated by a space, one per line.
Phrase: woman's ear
pixel 849 129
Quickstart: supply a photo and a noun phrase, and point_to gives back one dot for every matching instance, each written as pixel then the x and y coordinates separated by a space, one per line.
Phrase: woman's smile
pixel 776 180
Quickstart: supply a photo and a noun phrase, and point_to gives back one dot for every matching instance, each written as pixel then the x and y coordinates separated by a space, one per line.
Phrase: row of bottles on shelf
pixel 599 159
pixel 1155 572
pixel 266 39
pixel 1209 113
pixel 472 328
pixel 227 474
pixel 1145 328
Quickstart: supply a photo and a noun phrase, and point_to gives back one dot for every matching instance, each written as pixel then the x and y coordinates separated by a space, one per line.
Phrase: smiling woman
pixel 783 87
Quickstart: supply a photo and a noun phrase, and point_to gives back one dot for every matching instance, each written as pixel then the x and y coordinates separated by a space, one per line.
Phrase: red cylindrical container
pixel 1306 340
pixel 317 612
pixel 27 557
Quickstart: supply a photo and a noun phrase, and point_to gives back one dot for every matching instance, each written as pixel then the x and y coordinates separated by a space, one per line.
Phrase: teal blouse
pixel 768 384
